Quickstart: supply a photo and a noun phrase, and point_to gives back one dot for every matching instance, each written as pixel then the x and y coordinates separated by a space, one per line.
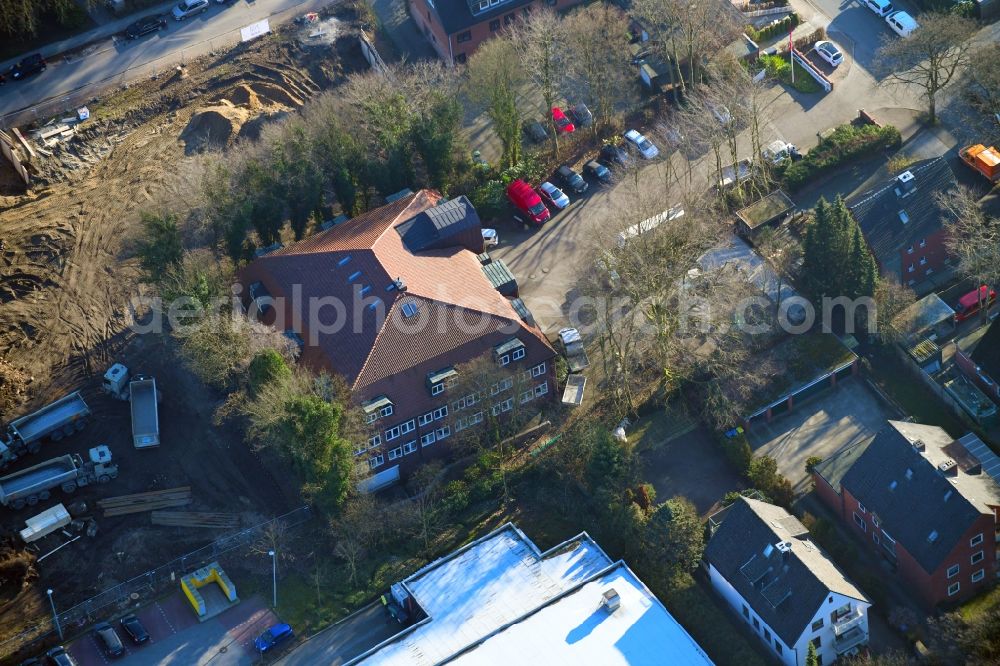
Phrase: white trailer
pixel 45 523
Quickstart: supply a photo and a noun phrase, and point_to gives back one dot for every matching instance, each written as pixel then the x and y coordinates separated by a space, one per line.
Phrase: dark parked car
pixel 536 132
pixel 273 637
pixel 572 179
pixel 614 155
pixel 133 627
pixel 109 640
pixel 582 115
pixel 33 64
pixel 144 26
pixel 60 657
pixel 597 170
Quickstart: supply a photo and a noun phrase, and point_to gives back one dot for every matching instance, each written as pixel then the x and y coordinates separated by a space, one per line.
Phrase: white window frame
pixel 875 538
pixel 392 433
pixel 424 419
pixel 976 540
pixel 410 447
pixel 862 509
pixel 923 260
pixel 911 268
pixel 374 440
pixel 541 389
pixel 517 354
pixel 923 242
pixel 978 575
pixel 396 453
pixel 504 360
pixel 428 439
pixel 495 409
pixel 409 426
pixel 953 570
pixel 443 432
pixel 538 370
pixel 860 522
pixel 973 560
pixel 371 417
pixel 952 592
pixel 437 389
pixel 376 461
pixel 875 520
pixel 385 411
pixel 909 250
pixel 440 412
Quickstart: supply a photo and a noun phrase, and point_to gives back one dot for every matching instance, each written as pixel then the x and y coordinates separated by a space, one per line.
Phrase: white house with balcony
pixel 761 560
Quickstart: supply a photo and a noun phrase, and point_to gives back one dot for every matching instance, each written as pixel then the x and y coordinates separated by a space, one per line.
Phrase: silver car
pixel 188 8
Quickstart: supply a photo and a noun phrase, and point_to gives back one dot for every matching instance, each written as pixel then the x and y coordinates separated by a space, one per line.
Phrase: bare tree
pixel 974 239
pixel 494 76
pixel 599 48
pixel 891 299
pixel 929 58
pixel 783 252
pixel 541 42
pixel 355 532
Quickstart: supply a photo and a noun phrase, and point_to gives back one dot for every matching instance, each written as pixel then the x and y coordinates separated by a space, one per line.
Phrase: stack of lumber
pixel 196 519
pixel 140 502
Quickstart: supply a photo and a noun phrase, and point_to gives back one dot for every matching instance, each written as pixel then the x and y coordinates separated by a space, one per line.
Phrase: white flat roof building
pixel 500 600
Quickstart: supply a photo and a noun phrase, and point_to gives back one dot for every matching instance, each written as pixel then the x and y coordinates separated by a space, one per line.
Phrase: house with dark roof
pixel 926 502
pixel 980 361
pixel 761 560
pixel 903 223
pixel 456 28
pixel 394 301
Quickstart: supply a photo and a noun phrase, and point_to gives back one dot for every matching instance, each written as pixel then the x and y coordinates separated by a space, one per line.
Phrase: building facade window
pixel 976 540
pixel 409 447
pixel 860 522
pixel 953 571
pixel 953 589
pixel 409 426
pixel 909 250
pixel 817 625
pixel 541 389
pixel 923 242
pixel 517 354
pixel 875 538
pixel 396 453
pixel 977 557
pixel 391 434
pixel 443 432
pixel 437 389
pixel 862 509
pixel 428 439
pixel 527 396
pixel 978 576
pixel 464 36
pixel 767 635
pixel 746 612
pixel 504 360
pixel 424 419
pixel 374 441
pixel 817 642
pixel 756 624
pixel 440 413
pixel 777 646
pixel 538 370
pixel 376 461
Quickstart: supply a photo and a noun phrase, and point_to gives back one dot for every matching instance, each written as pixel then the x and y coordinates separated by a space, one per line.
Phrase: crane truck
pixel 56 420
pixel 141 392
pixel 29 486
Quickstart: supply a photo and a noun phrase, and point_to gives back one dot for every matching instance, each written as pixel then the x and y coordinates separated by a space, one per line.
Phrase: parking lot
pixel 178 639
pixel 821 426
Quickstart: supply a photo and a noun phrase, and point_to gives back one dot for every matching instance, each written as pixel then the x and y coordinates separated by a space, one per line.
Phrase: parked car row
pixel 565 120
pixel 899 22
pixel 27 66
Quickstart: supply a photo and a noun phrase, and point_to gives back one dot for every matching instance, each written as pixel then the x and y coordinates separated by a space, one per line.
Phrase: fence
pixel 145 586
pixel 88 93
pixel 824 82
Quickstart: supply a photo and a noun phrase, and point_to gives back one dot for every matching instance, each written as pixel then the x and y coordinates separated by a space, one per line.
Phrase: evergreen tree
pixel 811 658
pixel 836 259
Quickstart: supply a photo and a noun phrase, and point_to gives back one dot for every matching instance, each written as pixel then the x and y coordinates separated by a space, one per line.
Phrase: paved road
pixel 345 640
pixel 109 61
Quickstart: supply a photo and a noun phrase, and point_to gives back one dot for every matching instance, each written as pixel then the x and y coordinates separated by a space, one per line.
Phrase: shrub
pixel 489 199
pixel 456 497
pixel 845 144
pixel 266 366
pixel 811 463
pixel 783 24
pixel 737 450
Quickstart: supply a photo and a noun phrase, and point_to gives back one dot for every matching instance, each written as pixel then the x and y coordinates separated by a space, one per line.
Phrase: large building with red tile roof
pixel 394 301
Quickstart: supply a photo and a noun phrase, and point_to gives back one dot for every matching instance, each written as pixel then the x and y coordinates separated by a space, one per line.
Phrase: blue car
pixel 273 637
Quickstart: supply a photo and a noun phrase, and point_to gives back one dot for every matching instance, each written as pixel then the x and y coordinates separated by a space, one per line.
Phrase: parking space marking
pixel 165 618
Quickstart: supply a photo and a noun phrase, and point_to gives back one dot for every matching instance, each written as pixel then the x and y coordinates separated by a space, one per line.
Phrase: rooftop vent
pixel 409 309
pixel 903 217
pixel 785 548
pixel 948 467
pixel 933 536
pixel 610 600
pixel 400 285
pixel 905 184
pixel 919 445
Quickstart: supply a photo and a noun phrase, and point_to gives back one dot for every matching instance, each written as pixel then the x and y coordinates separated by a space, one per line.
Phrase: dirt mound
pixel 17 571
pixel 252 128
pixel 213 127
pixel 275 95
pixel 13 388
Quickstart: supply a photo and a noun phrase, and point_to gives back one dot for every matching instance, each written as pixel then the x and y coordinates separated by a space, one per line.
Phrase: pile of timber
pixel 196 519
pixel 140 502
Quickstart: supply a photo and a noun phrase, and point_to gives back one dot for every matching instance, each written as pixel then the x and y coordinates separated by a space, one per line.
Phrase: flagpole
pixel 791 53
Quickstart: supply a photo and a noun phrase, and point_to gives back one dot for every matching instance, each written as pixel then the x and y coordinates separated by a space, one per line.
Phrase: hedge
pixel 845 144
pixel 782 25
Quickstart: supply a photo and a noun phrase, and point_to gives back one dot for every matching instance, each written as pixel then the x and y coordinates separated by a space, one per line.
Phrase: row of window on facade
pixel 881 538
pixel 410 447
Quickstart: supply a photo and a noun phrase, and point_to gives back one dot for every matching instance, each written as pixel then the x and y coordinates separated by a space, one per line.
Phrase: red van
pixel 526 200
pixel 968 305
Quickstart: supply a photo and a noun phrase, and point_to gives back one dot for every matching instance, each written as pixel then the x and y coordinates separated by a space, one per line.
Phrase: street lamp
pixel 274 578
pixel 55 616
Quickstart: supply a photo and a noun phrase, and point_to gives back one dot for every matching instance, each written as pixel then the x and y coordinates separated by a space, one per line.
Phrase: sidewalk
pixel 93 35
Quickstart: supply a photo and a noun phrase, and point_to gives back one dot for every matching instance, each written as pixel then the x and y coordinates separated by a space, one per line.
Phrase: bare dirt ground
pixel 66 278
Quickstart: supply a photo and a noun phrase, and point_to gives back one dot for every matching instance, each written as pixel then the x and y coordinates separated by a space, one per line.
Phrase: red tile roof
pixel 455 303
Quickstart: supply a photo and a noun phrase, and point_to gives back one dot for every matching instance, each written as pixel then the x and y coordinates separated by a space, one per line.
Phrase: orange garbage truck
pixel 984 160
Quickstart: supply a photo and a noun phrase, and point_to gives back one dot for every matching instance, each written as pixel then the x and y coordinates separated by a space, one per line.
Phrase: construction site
pixel 69 206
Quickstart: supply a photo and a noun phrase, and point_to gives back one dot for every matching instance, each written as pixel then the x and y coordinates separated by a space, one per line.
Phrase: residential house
pixel 394 301
pixel 980 361
pixel 455 28
pixel 761 560
pixel 924 501
pixel 500 600
pixel 920 326
pixel 903 222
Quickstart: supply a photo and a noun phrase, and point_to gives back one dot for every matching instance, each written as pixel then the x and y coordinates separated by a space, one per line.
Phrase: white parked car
pixel 491 238
pixel 901 23
pixel 188 8
pixel 553 195
pixel 644 145
pixel 828 51
pixel 778 151
pixel 881 7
